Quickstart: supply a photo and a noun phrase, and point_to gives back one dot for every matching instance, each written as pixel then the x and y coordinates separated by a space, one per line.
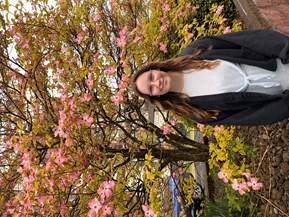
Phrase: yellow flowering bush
pixel 228 158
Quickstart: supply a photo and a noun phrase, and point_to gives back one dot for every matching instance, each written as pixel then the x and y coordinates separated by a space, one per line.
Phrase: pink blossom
pixel 26 162
pixel 79 38
pixel 110 70
pixel 121 85
pixel 42 199
pixel 123 63
pixel 218 130
pixel 240 187
pixel 27 180
pixel 136 39
pixel 201 127
pixel 148 212
pixel 20 170
pixel 62 116
pixel 173 122
pixel 12 29
pixel 123 53
pixel 71 104
pixel 245 186
pixel 163 47
pixel 106 210
pixel 26 45
pixel 119 96
pixel 59 159
pixel 161 19
pixel 123 31
pixel 164 28
pixel 10 210
pixel 219 9
pixel 89 82
pixel 96 55
pixel 105 190
pixel 255 184
pixel 124 78
pixel 51 183
pixel 59 132
pixel 166 129
pixel 222 21
pixel 26 202
pixel 96 17
pixel 227 30
pixel 94 206
pixel 91 68
pixel 165 8
pixel 121 42
pixel 47 165
pixel 223 175
pixel 117 99
pixel 86 119
pixel 247 175
pixel 85 98
pixel 191 35
pixel 42 116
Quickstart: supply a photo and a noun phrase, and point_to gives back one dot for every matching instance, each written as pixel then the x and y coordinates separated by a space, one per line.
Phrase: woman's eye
pixel 151 89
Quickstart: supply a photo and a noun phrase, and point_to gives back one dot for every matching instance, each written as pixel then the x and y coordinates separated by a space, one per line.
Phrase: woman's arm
pixel 264 42
pixel 268 112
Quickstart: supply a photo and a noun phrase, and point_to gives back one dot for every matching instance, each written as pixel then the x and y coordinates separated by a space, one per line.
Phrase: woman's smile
pixel 161 83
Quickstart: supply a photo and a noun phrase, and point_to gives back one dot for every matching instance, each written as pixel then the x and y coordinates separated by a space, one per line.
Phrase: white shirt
pixel 230 77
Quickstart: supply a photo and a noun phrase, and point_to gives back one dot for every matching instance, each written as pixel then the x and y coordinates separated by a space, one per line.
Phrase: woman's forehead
pixel 142 83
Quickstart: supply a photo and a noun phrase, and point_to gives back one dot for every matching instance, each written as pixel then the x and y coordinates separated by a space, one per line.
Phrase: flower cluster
pixel 166 128
pixel 241 185
pixel 148 212
pixel 118 97
pixel 220 19
pixel 121 40
pixel 102 206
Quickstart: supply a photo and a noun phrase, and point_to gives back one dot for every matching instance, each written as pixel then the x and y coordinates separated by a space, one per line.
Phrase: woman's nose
pixel 155 83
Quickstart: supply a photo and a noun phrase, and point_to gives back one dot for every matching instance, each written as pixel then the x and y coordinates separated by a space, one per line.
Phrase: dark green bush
pixel 204 6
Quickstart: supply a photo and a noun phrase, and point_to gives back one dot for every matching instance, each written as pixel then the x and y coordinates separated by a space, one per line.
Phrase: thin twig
pixel 273 205
pixel 263 156
pixel 270 185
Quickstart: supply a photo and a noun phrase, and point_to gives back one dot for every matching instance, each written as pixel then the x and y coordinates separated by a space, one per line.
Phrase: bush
pixel 236 194
pixel 204 7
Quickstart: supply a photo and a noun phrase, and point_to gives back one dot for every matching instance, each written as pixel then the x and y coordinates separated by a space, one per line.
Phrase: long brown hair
pixel 179 103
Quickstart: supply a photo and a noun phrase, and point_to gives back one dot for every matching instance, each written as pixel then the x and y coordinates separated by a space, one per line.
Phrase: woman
pixel 239 78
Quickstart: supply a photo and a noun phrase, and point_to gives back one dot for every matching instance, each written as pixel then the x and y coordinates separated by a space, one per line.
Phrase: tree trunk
pixel 164 154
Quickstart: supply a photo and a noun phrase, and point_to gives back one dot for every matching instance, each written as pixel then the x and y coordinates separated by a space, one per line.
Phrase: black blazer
pixel 253 47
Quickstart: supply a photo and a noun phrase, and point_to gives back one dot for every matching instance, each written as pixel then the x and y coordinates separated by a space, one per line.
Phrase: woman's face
pixel 153 83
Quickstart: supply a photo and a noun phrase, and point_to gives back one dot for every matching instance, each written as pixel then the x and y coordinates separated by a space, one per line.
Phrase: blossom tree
pixel 74 140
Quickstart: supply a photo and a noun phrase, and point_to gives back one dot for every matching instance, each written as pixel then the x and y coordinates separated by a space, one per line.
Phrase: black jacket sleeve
pixel 266 42
pixel 245 112
pixel 253 47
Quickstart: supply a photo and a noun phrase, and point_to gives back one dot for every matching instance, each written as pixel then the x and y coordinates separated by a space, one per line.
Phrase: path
pixel 265 14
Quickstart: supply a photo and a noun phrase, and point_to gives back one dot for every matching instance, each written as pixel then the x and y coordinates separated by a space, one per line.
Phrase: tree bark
pixel 169 155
